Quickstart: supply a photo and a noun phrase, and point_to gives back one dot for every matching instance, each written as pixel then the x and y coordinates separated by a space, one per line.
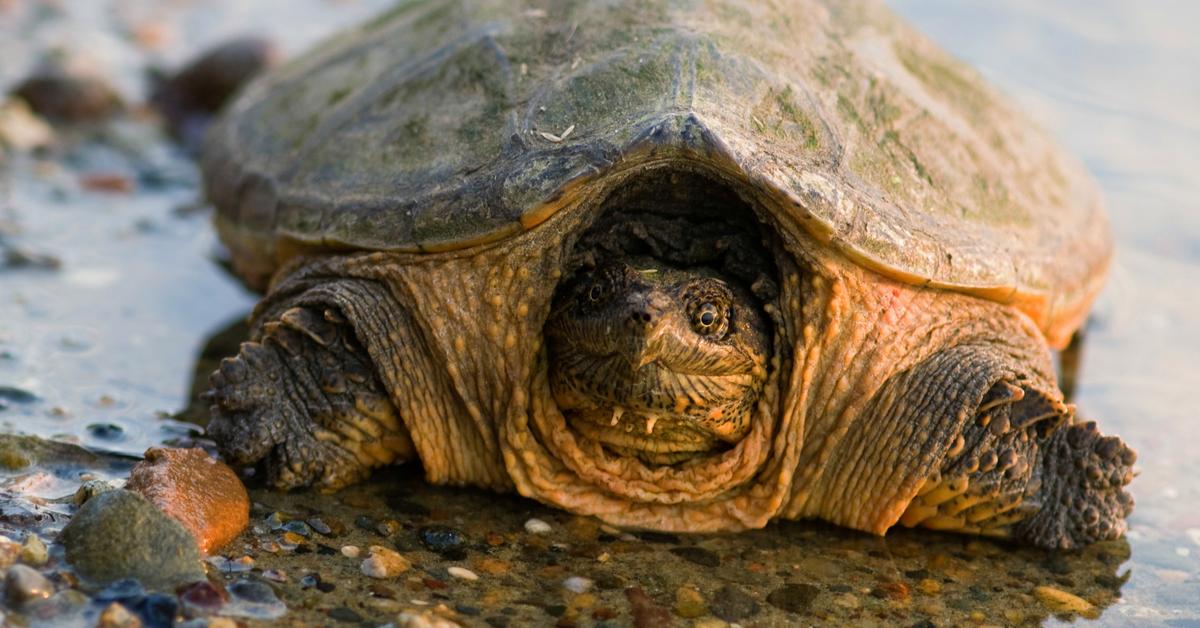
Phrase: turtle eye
pixel 708 319
pixel 597 293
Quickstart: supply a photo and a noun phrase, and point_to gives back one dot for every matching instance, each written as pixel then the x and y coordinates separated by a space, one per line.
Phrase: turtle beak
pixel 646 326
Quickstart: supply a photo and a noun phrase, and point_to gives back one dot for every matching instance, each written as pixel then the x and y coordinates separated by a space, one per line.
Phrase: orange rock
pixel 189 486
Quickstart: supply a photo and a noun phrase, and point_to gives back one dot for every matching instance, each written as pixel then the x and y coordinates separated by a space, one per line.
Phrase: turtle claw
pixel 305 403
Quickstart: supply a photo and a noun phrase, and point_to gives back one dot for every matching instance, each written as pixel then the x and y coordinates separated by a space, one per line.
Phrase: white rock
pixel 537 526
pixel 462 572
pixel 578 584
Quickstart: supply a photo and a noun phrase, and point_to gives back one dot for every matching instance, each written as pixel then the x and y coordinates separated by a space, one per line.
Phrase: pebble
pixel 697 555
pixel 537 526
pixel 161 553
pixel 1059 601
pixel 462 573
pixel 157 610
pixel 55 93
pixel 689 603
pixel 646 614
pixel 253 600
pixel 90 489
pixel 492 566
pixel 710 622
pixel 24 583
pixel 191 487
pixel 732 604
pixel 793 598
pixel 10 550
pixel 351 551
pixel 444 540
pixel 201 599
pixel 33 551
pixel 847 600
pixel 384 563
pixel 115 615
pixel 21 129
pixel 578 584
pixel 929 586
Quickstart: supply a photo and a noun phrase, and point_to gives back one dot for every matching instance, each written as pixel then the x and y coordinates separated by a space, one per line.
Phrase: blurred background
pixel 111 284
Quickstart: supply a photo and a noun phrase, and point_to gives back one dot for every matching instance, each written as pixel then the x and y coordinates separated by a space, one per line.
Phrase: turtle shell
pixel 449 124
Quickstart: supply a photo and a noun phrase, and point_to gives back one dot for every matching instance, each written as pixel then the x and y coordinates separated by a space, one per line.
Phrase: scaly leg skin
pixel 1022 469
pixel 305 399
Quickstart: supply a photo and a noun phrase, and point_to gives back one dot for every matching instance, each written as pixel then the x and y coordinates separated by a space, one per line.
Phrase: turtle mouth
pixel 654 437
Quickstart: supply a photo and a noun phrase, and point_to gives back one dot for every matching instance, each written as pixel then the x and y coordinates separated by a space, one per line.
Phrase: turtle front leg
pixel 1021 468
pixel 304 399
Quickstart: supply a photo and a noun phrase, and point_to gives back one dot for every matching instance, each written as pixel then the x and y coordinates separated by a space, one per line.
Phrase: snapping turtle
pixel 686 266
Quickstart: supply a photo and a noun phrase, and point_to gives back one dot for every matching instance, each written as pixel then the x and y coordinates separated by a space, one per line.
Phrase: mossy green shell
pixel 447 124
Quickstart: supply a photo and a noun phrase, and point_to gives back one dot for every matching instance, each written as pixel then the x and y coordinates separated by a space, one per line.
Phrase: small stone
pixel 59 94
pixel 10 550
pixel 298 527
pixel 847 600
pixel 646 614
pixel 157 609
pixel 710 622
pixel 33 551
pixel 90 489
pixel 119 534
pixel 191 487
pixel 977 617
pixel 24 583
pixel 384 563
pixel 894 591
pixel 116 615
pixel 345 614
pixel 351 551
pixel 732 604
pixel 697 555
pixel 201 599
pixel 1059 601
pixel 443 540
pixel 322 528
pixel 689 603
pixel 578 584
pixel 462 573
pixel 929 586
pixel 537 526
pixel 253 600
pixel 793 598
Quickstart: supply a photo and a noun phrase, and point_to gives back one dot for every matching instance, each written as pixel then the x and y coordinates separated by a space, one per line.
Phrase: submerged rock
pixel 119 534
pixel 203 494
pixel 24 583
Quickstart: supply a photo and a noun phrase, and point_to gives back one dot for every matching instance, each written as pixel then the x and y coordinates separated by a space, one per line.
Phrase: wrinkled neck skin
pixel 460 348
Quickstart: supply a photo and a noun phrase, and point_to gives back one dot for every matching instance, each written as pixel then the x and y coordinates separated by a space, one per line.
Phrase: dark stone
pixel 53 92
pixel 119 534
pixel 325 587
pixel 840 588
pixel 322 528
pixel 555 610
pixel 443 540
pixel 16 395
pixel 325 550
pixel 697 555
pixel 156 610
pixel 917 574
pixel 341 613
pixel 793 598
pixel 469 611
pixel 732 604
pixel 106 431
pixel 23 584
pixel 201 599
pixel 364 522
pixel 496 621
pixel 659 537
pixel 309 581
pixel 924 623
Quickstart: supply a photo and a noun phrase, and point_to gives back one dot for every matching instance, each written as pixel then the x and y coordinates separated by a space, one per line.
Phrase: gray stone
pixel 118 534
pixel 24 583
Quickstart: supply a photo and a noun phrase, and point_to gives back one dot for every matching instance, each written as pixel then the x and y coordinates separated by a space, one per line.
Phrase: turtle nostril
pixel 640 316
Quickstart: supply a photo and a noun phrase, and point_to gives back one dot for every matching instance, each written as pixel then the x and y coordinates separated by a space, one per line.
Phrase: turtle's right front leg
pixel 305 398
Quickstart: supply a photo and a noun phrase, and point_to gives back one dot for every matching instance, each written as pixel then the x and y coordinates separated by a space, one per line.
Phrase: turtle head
pixel 657 362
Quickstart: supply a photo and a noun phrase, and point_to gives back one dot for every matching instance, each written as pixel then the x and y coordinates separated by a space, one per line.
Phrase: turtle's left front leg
pixel 304 398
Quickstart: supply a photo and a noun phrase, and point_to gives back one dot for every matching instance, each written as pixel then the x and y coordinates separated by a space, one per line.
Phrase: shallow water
pixel 106 346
